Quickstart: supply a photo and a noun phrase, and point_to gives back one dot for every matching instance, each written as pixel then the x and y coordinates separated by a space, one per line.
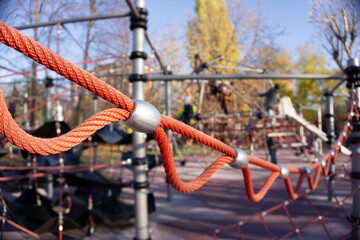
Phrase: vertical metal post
pixel 353 72
pixel 139 161
pixel 263 90
pixel 202 89
pixel 320 145
pixel 26 122
pixel 49 85
pixel 329 115
pixel 95 144
pixel 301 129
pixel 168 132
pixel 252 148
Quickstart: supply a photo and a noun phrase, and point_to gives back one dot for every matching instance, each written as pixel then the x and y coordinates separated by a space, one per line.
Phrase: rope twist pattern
pixel 46 57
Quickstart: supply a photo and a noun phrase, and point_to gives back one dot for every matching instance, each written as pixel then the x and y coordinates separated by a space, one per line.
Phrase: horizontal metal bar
pixel 341 95
pixel 246 76
pixel 225 116
pixel 73 20
pixel 281 134
pixel 309 108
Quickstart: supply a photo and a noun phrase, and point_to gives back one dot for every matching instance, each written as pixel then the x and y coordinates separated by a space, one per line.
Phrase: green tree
pixel 311 92
pixel 211 33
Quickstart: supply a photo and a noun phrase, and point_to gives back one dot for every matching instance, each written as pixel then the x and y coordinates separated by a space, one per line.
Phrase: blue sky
pixel 290 15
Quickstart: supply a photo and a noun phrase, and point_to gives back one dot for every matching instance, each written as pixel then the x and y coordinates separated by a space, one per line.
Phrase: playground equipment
pixel 286 108
pixel 127 107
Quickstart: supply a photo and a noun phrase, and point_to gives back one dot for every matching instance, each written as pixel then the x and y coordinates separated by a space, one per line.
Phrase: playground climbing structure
pixel 143 117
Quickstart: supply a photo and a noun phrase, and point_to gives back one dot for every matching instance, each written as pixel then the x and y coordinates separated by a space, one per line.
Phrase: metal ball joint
pixel 241 160
pixel 307 170
pixel 284 172
pixel 323 162
pixel 358 150
pixel 144 117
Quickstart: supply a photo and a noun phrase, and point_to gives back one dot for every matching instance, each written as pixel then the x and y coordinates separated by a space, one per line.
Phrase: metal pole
pixel 49 85
pixel 168 132
pixel 95 144
pixel 235 76
pixel 201 98
pixel 329 115
pixel 139 161
pixel 73 20
pixel 26 123
pixel 353 71
pixel 301 128
pixel 338 85
pixel 320 149
pixel 155 52
pixel 135 12
pixel 245 76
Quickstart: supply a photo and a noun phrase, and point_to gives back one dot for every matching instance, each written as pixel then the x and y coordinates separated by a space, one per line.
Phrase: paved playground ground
pixel 222 202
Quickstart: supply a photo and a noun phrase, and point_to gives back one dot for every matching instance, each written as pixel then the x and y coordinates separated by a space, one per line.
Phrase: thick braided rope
pixel 18 137
pixel 190 132
pixel 265 188
pixel 46 57
pixel 170 170
pixel 46 146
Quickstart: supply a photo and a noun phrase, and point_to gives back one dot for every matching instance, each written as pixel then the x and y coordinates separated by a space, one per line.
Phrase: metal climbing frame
pixel 246 76
pixel 138 25
pixel 127 108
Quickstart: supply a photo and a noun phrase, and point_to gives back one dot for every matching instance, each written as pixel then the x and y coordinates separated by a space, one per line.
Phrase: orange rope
pixel 70 170
pixel 170 170
pixel 37 107
pixel 34 50
pixel 21 228
pixel 262 192
pixel 196 135
pixel 20 138
pixel 42 55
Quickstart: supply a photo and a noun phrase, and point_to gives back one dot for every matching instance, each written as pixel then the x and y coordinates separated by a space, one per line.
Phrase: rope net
pixel 310 215
pixel 15 135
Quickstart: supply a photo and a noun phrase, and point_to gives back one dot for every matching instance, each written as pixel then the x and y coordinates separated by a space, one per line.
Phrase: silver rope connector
pixel 284 171
pixel 241 160
pixel 144 118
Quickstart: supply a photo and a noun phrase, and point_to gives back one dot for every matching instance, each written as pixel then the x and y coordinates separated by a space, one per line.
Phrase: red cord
pixel 42 55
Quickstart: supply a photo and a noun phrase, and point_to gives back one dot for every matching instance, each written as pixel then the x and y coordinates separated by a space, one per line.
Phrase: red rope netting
pixel 46 57
pixel 322 214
